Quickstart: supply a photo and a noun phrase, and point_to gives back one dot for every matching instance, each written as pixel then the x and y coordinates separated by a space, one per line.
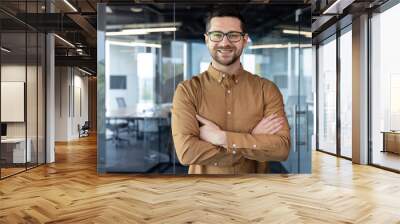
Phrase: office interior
pixel 79 121
pixel 49 80
pixel 356 68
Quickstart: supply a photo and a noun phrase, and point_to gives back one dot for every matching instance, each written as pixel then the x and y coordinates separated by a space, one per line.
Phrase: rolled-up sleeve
pixel 190 149
pixel 264 147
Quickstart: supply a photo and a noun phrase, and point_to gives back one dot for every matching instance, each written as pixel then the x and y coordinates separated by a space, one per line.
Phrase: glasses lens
pixel 216 36
pixel 234 36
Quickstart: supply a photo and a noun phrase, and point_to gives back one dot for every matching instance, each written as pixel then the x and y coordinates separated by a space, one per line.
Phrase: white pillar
pixel 50 99
pixel 50 92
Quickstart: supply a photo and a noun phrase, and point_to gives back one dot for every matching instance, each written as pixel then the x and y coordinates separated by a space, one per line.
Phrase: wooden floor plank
pixel 70 191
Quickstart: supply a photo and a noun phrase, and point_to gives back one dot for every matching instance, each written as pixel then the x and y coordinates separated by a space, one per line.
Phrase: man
pixel 227 120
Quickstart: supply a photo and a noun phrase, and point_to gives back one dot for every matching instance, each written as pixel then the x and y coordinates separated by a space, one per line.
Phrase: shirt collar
pixel 219 76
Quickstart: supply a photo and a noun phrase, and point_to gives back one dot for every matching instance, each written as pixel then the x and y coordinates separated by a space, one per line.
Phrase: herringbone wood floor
pixel 70 191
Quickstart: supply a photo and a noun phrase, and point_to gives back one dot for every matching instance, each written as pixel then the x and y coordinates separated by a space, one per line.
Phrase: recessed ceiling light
pixel 108 9
pixel 70 5
pixel 5 50
pixel 127 32
pixel 64 40
pixel 298 32
pixel 136 9
pixel 84 71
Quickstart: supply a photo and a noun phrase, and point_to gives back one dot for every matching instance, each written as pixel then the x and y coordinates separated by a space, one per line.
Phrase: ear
pixel 205 38
pixel 245 40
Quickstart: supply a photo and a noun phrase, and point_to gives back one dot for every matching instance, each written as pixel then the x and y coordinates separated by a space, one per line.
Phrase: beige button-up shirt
pixel 236 103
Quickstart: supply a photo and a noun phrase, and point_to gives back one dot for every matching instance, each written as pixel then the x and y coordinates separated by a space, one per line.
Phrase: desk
pixel 391 141
pixel 16 147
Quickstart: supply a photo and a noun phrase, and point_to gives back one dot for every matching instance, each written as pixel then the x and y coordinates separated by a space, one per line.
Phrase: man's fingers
pixel 271 126
pixel 272 122
pixel 270 118
pixel 274 131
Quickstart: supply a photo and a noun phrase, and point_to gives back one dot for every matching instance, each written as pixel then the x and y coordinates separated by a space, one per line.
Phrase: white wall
pixel 70 83
pixel 123 61
pixel 14 73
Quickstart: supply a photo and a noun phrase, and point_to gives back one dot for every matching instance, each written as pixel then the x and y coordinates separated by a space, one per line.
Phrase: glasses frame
pixel 242 34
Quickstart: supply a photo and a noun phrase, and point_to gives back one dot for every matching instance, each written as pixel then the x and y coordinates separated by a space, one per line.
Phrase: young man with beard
pixel 227 120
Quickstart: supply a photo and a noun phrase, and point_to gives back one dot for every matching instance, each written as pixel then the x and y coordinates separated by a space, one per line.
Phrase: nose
pixel 225 41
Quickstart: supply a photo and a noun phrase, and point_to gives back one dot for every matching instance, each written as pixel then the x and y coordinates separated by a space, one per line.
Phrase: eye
pixel 217 35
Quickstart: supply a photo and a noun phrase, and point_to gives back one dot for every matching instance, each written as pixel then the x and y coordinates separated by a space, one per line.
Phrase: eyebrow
pixel 225 32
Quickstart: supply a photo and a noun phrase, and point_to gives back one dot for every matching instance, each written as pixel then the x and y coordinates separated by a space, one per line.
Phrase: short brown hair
pixel 226 11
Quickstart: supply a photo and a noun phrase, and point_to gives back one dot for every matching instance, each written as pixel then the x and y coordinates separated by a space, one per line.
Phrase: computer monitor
pixel 3 129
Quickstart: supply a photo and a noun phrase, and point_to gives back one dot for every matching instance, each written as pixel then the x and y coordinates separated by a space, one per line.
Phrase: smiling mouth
pixel 224 51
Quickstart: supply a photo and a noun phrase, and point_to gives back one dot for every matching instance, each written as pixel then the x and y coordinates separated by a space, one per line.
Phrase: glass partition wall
pixel 146 50
pixel 22 88
pixel 327 79
pixel 345 62
pixel 334 116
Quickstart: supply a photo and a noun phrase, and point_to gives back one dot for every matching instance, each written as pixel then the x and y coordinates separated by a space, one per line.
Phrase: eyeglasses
pixel 233 36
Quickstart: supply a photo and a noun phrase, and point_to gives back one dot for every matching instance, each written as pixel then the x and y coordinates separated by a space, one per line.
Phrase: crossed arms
pixel 209 144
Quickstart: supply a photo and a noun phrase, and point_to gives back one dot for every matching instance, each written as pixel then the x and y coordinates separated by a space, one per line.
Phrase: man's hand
pixel 269 125
pixel 211 133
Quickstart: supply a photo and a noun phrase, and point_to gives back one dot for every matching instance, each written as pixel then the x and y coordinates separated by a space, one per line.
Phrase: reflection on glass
pixel 346 94
pixel 15 150
pixel 22 89
pixel 385 85
pixel 327 96
pixel 148 52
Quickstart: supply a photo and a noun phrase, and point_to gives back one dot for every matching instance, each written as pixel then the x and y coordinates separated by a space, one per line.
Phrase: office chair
pixel 84 130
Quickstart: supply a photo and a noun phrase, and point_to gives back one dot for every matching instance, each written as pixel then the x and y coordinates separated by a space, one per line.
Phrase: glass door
pixel 299 98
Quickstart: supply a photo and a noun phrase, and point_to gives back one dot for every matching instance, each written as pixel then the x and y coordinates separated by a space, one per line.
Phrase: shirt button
pixel 234 152
pixel 254 146
pixel 215 164
pixel 229 113
pixel 229 92
pixel 234 145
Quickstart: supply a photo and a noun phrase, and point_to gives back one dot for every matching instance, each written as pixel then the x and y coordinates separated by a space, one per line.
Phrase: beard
pixel 226 55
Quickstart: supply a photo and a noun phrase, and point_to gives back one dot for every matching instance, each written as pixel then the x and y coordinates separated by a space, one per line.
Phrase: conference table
pixel 135 115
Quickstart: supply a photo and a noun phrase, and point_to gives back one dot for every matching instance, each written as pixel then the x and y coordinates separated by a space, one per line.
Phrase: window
pixel 346 93
pixel 385 89
pixel 327 96
pixel 117 82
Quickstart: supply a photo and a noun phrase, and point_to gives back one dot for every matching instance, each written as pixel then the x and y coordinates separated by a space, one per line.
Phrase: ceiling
pixel 79 26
